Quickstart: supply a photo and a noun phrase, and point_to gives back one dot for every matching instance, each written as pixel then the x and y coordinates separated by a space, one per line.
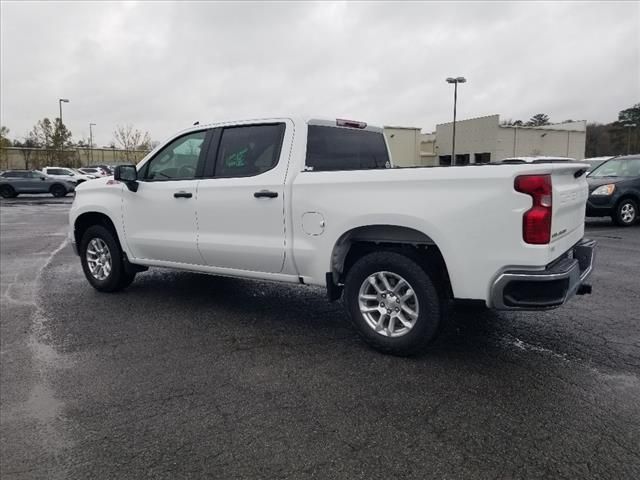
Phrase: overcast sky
pixel 163 65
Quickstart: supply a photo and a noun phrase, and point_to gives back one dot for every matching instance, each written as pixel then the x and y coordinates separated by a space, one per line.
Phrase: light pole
pixel 629 126
pixel 455 82
pixel 91 141
pixel 60 100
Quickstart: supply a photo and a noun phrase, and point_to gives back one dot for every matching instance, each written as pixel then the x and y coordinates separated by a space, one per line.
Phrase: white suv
pixel 67 174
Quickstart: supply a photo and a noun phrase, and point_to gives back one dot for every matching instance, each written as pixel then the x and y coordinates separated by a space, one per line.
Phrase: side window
pixel 333 148
pixel 178 160
pixel 249 150
pixel 35 175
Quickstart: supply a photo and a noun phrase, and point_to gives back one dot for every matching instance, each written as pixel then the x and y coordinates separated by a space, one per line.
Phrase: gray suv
pixel 15 182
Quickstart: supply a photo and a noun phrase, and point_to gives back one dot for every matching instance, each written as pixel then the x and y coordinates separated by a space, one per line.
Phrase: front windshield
pixel 618 168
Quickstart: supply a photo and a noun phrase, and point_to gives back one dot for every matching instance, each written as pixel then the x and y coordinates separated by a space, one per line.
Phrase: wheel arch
pixel 88 219
pixel 361 240
pixel 57 184
pixel 628 196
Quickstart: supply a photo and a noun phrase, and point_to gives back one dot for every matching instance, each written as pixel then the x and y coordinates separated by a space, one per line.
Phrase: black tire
pixel 118 278
pixel 430 312
pixel 7 191
pixel 58 190
pixel 626 213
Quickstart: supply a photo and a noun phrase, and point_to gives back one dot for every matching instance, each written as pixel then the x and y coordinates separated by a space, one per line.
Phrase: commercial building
pixel 483 140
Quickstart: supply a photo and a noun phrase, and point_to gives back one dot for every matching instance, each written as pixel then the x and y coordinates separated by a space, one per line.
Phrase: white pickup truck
pixel 318 202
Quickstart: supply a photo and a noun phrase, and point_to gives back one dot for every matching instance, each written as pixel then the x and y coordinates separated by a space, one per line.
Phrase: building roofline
pixel 469 119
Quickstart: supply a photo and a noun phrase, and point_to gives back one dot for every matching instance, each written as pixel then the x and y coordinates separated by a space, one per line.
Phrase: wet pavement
pixel 186 375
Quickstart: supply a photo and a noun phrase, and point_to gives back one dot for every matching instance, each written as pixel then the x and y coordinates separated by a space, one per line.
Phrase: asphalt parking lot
pixel 186 375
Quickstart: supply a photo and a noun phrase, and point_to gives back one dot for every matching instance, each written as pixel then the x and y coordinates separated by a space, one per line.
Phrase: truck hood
pixel 99 182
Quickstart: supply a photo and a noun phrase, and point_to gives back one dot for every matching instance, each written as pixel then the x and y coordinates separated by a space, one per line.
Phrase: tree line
pixel 53 137
pixel 603 139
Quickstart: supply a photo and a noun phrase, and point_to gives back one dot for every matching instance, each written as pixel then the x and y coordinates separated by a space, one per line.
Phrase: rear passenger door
pixel 240 202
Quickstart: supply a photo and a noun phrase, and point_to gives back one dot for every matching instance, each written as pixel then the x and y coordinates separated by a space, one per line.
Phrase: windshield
pixel 618 167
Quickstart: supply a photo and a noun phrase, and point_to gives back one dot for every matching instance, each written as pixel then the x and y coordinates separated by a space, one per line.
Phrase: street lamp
pixel 60 100
pixel 455 82
pixel 91 141
pixel 629 126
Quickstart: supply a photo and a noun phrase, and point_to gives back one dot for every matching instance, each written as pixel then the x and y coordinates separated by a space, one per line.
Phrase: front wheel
pixel 626 213
pixel 392 302
pixel 102 260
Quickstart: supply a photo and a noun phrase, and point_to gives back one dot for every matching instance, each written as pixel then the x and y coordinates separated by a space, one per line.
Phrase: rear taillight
pixel 536 222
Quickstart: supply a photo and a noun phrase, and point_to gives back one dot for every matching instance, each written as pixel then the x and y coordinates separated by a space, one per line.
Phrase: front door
pixel 160 218
pixel 240 205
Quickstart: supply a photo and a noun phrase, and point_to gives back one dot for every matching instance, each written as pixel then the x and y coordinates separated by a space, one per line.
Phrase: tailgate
pixel 570 193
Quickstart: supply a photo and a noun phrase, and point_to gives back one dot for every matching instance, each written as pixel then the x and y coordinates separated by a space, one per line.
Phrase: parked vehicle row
pixel 15 182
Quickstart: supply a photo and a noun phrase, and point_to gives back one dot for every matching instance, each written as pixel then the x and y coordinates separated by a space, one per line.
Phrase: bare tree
pixel 131 139
pixel 28 147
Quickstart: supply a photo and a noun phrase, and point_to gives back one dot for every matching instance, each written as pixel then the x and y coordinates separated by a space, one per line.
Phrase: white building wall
pixel 428 155
pixel 475 135
pixel 532 141
pixel 404 145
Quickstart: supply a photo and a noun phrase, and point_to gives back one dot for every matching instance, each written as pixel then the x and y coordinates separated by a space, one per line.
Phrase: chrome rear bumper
pixel 523 289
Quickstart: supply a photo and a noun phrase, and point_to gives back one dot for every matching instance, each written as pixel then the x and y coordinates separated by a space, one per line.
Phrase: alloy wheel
pixel 99 259
pixel 388 304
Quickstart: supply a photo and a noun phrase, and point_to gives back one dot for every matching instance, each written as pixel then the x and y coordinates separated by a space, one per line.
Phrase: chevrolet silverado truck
pixel 318 202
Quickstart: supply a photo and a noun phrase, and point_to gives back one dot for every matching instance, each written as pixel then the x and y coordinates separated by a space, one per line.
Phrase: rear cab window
pixel 339 148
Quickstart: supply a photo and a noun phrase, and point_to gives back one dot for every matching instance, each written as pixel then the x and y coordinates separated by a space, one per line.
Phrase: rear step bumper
pixel 548 288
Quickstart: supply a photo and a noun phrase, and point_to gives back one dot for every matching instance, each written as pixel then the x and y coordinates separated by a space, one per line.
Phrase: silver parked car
pixel 15 182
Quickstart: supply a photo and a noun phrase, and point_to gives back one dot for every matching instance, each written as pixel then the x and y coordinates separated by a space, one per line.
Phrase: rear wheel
pixel 102 260
pixel 58 190
pixel 7 191
pixel 626 213
pixel 392 302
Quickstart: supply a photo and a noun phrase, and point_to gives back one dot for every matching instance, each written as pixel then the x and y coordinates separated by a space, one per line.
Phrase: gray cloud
pixel 161 65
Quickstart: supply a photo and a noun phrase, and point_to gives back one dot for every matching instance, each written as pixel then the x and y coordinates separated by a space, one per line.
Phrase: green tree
pixel 630 115
pixel 61 136
pixel 538 120
pixel 4 137
pixel 4 143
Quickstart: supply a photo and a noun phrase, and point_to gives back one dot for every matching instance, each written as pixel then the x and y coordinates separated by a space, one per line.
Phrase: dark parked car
pixel 614 190
pixel 15 182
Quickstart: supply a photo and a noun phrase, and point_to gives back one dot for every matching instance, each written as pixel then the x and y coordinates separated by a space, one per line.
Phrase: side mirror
pixel 127 174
